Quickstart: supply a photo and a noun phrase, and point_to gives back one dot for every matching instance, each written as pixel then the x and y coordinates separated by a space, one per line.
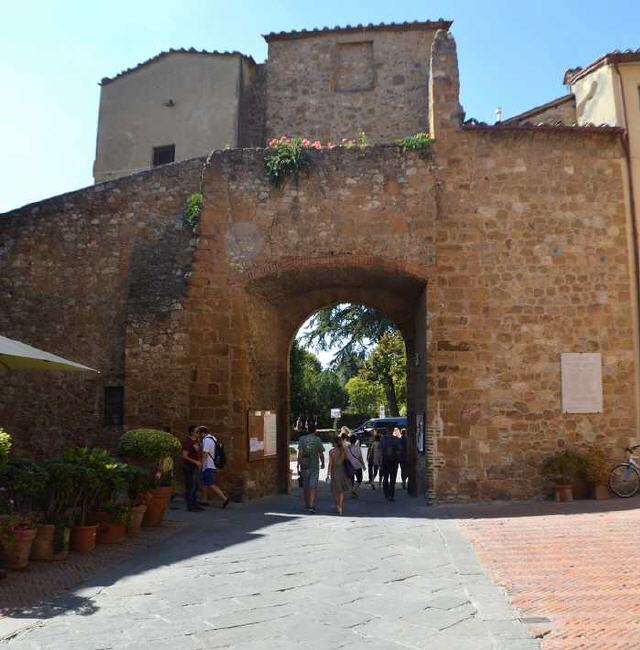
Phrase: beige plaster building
pixel 175 106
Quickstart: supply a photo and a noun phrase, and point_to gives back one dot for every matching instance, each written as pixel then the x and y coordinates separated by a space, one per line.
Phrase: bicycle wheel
pixel 624 480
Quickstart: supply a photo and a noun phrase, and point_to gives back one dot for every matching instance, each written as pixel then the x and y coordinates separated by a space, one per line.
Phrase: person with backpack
pixel 390 448
pixel 310 461
pixel 213 459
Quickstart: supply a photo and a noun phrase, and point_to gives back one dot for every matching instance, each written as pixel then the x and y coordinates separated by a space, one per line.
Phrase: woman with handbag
pixel 354 455
pixel 337 473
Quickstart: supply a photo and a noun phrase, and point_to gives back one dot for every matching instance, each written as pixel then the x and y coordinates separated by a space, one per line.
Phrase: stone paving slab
pixel 266 575
pixel 22 591
pixel 568 568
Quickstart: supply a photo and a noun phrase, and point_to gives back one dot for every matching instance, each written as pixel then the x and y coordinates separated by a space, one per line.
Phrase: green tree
pixel 351 328
pixel 386 367
pixel 364 396
pixel 314 391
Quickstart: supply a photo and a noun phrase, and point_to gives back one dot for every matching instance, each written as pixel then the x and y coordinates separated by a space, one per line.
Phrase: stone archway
pixel 291 293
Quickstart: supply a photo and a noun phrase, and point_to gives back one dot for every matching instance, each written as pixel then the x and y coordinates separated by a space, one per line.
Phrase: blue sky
pixel 53 54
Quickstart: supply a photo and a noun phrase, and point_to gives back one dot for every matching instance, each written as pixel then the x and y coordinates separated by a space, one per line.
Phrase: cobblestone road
pixel 569 568
pixel 264 575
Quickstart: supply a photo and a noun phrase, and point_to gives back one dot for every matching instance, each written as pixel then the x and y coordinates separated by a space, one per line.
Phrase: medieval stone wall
pixel 520 238
pixel 329 86
pixel 79 275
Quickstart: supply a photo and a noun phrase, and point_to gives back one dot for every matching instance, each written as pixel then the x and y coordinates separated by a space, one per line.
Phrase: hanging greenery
pixel 192 210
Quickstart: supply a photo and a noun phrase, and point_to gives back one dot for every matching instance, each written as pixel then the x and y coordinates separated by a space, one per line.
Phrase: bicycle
pixel 624 479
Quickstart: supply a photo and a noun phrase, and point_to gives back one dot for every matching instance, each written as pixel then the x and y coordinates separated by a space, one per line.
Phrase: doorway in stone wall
pixel 282 298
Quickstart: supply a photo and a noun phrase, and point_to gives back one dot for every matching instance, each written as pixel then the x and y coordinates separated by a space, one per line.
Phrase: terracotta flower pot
pixel 64 553
pixel 157 506
pixel 42 548
pixel 111 532
pixel 83 538
pixel 17 551
pixel 600 491
pixel 135 521
pixel 563 493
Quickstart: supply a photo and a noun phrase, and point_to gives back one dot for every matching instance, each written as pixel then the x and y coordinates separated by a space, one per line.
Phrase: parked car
pixel 364 430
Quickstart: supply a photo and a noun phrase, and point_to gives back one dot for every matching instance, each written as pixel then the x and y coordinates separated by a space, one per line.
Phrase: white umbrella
pixel 20 356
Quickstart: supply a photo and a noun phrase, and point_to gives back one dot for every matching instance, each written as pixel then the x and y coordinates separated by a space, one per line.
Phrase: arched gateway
pixel 495 250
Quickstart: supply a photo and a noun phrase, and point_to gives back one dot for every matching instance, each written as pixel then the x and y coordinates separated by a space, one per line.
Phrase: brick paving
pixel 573 564
pixel 23 591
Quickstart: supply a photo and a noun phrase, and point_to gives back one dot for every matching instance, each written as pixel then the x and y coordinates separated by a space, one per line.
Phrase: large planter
pixel 135 521
pixel 111 532
pixel 42 548
pixel 63 554
pixel 83 538
pixel 157 506
pixel 599 491
pixel 17 551
pixel 563 493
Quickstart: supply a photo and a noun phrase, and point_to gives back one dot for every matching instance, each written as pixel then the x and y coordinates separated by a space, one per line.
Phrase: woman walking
pixel 354 456
pixel 374 458
pixel 337 473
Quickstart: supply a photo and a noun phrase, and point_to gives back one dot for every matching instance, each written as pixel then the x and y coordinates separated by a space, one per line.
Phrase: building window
pixel 353 67
pixel 163 155
pixel 113 405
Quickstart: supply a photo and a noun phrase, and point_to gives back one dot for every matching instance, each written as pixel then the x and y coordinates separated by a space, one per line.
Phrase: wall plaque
pixel 581 382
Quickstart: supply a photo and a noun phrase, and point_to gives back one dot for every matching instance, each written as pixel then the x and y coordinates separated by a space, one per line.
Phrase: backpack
pixel 390 450
pixel 219 456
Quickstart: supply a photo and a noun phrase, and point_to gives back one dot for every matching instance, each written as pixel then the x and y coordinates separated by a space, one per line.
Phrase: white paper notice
pixel 270 434
pixel 581 382
pixel 255 445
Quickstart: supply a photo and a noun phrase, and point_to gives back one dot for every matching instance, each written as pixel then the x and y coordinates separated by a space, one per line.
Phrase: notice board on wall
pixel 262 434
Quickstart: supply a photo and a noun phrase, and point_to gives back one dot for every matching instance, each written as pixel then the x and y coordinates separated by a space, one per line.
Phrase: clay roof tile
pixel 441 23
pixel 616 56
pixel 106 80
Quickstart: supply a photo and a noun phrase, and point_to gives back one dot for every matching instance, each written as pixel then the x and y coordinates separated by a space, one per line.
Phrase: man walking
pixel 209 468
pixel 390 447
pixel 310 460
pixel 191 467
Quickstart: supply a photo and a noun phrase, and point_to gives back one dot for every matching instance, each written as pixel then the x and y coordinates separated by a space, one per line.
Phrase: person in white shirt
pixel 209 469
pixel 354 456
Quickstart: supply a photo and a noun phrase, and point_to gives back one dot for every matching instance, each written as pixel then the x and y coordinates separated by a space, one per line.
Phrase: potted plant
pixel 113 521
pixel 138 484
pixel 23 482
pixel 88 476
pixel 17 533
pixel 562 469
pixel 52 537
pixel 154 450
pixel 597 472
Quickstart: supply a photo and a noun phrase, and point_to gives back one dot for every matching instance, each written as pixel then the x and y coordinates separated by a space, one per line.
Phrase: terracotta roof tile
pixel 537 109
pixel 441 23
pixel 472 125
pixel 617 56
pixel 161 55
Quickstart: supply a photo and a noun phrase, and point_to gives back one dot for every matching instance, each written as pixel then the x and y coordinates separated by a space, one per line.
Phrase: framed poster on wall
pixel 262 435
pixel 420 432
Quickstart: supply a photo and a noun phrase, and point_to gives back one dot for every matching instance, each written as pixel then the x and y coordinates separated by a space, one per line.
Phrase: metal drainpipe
pixel 624 139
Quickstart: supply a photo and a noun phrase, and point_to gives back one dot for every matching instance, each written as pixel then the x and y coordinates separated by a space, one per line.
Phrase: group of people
pixel 386 454
pixel 202 457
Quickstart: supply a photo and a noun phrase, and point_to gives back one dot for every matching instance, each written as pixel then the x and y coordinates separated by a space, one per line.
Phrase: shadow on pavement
pixel 216 529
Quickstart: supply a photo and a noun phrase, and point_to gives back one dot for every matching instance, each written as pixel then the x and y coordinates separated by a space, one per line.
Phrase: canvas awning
pixel 15 355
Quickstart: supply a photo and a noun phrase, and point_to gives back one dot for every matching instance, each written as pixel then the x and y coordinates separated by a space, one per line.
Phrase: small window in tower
pixel 353 67
pixel 113 405
pixel 163 155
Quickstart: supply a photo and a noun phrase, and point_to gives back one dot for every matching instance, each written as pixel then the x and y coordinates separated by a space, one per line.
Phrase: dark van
pixel 363 431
